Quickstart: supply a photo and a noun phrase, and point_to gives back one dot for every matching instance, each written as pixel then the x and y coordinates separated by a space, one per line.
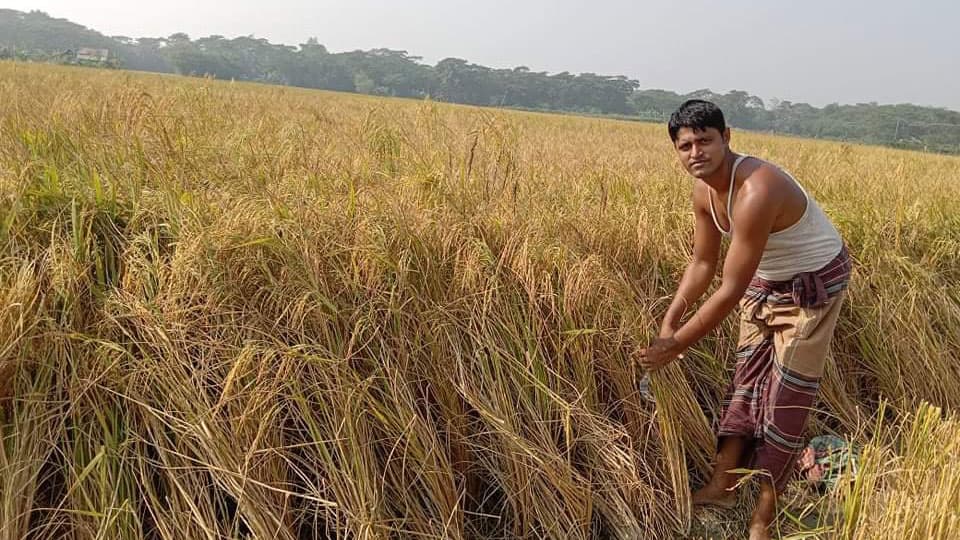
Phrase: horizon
pixel 921 74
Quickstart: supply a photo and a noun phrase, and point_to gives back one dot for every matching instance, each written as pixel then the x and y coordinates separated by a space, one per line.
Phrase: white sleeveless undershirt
pixel 807 245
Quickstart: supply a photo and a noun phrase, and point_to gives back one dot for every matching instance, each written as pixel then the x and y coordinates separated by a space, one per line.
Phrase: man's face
pixel 702 152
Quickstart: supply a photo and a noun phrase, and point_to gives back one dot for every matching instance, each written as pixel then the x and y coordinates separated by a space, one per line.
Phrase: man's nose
pixel 696 151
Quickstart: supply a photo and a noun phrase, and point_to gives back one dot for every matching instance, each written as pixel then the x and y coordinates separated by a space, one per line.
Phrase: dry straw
pixel 250 311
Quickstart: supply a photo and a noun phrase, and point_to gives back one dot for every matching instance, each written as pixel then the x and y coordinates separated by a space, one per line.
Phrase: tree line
pixel 387 72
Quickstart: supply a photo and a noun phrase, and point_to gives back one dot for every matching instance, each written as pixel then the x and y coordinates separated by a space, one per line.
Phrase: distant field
pixel 250 311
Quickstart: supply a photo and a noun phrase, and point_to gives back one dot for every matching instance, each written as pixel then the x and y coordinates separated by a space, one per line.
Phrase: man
pixel 787 267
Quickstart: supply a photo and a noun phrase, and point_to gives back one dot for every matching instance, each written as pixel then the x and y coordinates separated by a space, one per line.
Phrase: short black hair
pixel 698 115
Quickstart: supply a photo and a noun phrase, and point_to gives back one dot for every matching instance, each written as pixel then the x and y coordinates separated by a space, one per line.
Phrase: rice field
pixel 244 311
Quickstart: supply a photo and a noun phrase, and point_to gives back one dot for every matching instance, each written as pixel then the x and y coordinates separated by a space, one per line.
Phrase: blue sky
pixel 845 51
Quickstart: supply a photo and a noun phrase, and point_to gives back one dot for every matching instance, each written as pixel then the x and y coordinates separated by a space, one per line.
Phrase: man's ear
pixel 726 135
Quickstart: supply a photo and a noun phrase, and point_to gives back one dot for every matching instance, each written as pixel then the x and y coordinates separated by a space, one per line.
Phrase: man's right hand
pixel 669 327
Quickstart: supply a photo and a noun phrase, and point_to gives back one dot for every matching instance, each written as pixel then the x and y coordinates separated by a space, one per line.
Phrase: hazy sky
pixel 817 51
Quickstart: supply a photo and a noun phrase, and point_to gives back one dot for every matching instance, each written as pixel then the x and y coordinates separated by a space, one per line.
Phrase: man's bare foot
pixel 759 531
pixel 710 495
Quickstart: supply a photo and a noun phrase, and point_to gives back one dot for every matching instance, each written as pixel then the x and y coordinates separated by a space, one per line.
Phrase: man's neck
pixel 720 179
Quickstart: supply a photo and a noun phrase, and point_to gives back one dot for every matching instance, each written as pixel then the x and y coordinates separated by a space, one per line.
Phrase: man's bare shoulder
pixel 764 180
pixel 701 197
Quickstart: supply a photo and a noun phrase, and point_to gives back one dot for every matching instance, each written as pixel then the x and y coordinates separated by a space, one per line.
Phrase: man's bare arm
pixel 755 213
pixel 701 269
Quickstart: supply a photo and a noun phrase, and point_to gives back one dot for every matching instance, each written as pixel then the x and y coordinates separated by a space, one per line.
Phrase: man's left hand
pixel 659 353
